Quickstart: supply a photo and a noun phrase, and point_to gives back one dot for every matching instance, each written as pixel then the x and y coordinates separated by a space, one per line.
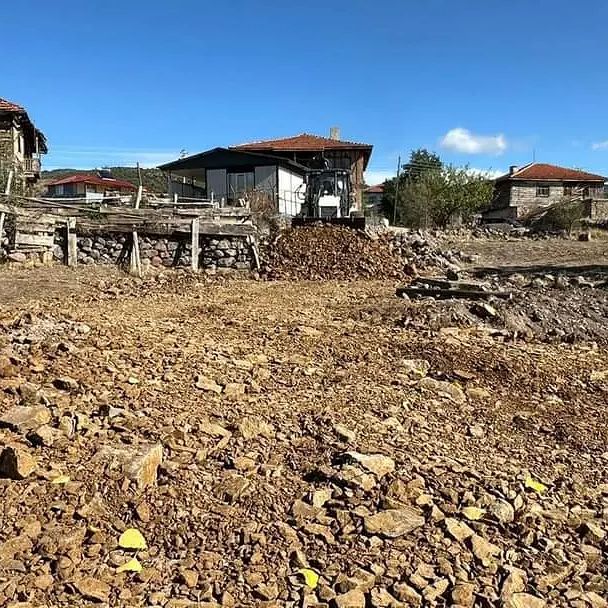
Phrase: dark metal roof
pixel 224 158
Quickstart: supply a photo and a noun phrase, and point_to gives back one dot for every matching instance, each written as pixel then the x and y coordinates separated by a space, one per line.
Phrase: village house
pixel 526 188
pixel 373 197
pixel 276 166
pixel 92 187
pixel 21 146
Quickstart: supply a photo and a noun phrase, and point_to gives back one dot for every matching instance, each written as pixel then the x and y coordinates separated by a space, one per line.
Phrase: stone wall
pixel 596 209
pixel 216 252
pixel 6 144
pixel 8 159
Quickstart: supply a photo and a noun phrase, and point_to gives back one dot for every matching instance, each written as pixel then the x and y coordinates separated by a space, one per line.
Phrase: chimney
pixel 334 133
pixel 512 169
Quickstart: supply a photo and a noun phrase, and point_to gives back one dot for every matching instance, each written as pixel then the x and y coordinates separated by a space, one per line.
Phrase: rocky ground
pixel 189 442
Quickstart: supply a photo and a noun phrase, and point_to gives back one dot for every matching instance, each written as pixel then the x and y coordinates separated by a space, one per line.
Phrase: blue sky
pixel 485 83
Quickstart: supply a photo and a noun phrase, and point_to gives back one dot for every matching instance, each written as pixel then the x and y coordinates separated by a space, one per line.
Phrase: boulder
pixel 139 463
pixel 351 599
pixel 22 418
pixel 393 523
pixel 16 463
pixel 92 588
pixel 377 464
pixel 458 530
pixel 17 256
pixel 524 600
pixel 443 389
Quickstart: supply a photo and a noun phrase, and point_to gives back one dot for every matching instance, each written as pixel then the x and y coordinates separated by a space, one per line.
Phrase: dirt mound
pixel 334 252
pixel 325 252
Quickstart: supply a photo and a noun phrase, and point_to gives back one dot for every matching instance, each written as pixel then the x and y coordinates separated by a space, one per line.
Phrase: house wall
pixel 7 148
pixel 373 201
pixel 10 157
pixel 596 209
pixel 265 179
pixel 216 180
pixel 523 195
pixel 290 185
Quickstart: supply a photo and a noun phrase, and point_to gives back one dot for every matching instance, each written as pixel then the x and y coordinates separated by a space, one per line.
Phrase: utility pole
pixel 396 191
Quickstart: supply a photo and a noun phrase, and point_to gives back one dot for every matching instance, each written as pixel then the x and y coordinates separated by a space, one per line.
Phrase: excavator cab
pixel 328 194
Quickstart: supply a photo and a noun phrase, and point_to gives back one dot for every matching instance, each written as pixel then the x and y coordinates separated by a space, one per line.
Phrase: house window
pixel 239 184
pixel 542 191
pixel 568 190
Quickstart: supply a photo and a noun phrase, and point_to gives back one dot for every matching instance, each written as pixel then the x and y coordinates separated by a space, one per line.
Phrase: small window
pixel 542 191
pixel 568 190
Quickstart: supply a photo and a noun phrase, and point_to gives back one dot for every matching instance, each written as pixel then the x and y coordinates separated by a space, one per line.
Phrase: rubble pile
pixel 334 252
pixel 253 445
pixel 547 308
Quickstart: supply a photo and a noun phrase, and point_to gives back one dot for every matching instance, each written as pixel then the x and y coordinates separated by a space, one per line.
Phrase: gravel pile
pixel 333 252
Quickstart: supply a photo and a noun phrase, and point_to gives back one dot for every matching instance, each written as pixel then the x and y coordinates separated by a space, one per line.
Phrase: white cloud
pixel 462 140
pixel 373 178
pixel 489 173
pixel 600 145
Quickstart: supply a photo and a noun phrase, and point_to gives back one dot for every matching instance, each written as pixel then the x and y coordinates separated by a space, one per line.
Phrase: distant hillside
pixel 152 179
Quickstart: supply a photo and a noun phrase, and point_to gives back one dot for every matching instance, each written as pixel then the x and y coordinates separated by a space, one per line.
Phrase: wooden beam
pixel 71 242
pixel 254 251
pixel 140 190
pixel 135 259
pixel 446 294
pixel 9 182
pixel 41 240
pixel 196 246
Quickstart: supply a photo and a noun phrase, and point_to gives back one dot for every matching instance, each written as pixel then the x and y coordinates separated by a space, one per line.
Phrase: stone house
pixel 21 147
pixel 308 150
pixel 526 188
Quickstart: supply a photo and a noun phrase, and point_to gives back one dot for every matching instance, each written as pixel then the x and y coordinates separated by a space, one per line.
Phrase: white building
pixel 228 175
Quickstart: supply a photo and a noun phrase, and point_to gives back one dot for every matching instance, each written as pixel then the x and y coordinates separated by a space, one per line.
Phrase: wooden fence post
pixel 71 242
pixel 196 249
pixel 135 260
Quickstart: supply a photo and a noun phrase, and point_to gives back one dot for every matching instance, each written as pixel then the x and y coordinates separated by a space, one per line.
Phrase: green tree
pixel 462 194
pixel 416 183
pixel 433 194
pixel 421 163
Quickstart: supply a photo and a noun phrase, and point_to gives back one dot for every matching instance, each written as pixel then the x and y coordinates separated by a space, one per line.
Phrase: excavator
pixel 328 197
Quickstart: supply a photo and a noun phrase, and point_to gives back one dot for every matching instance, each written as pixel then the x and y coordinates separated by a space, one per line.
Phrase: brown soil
pixel 244 383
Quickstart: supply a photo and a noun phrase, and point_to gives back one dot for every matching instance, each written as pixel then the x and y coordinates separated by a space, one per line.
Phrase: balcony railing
pixel 31 166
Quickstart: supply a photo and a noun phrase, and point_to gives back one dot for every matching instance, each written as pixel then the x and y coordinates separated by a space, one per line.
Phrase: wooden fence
pixel 36 220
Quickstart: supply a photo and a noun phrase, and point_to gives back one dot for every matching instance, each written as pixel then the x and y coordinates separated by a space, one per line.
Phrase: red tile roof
pixel 94 180
pixel 9 106
pixel 545 172
pixel 301 143
pixel 377 189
